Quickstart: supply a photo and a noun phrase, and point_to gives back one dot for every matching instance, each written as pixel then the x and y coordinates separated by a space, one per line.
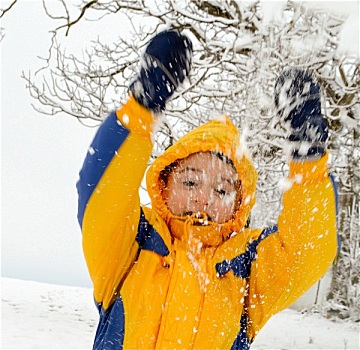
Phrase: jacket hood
pixel 220 136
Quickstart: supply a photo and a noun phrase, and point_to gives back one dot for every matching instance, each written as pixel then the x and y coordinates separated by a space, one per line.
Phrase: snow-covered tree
pixel 237 57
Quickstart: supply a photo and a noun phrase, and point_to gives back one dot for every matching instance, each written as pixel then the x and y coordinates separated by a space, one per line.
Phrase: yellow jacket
pixel 164 282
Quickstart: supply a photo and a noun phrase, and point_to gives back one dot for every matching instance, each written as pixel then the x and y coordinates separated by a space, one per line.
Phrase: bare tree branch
pixel 69 23
pixel 3 11
pixel 235 65
pixel 82 13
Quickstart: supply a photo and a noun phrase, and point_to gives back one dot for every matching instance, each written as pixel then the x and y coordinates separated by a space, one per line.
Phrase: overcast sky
pixel 41 155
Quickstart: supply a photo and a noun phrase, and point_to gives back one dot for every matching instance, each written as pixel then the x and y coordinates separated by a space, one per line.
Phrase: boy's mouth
pixel 202 217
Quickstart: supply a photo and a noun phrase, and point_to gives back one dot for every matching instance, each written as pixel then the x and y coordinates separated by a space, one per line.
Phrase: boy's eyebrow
pixel 230 181
pixel 190 168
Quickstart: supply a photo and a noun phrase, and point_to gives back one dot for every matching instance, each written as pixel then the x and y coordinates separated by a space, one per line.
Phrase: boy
pixel 186 274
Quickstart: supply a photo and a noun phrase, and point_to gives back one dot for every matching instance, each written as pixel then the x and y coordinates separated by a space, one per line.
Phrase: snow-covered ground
pixel 44 316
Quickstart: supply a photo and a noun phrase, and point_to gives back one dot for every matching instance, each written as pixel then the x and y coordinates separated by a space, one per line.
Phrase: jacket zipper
pixel 198 317
pixel 173 271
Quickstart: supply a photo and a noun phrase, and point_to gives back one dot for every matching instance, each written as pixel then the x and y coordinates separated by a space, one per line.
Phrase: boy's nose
pixel 202 205
pixel 202 200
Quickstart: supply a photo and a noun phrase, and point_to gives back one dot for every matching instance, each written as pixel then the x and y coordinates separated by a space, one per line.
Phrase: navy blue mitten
pixel 165 64
pixel 297 100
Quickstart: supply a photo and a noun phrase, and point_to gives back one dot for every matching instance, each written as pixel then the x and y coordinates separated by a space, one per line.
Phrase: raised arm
pixel 291 257
pixel 109 206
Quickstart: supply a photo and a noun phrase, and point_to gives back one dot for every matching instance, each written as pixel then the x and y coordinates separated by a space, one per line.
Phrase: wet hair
pixel 165 173
pixel 224 158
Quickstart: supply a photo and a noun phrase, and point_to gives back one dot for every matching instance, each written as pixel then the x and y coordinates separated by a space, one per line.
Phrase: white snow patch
pixel 349 9
pixel 222 118
pixel 242 149
pixel 44 316
pixel 125 119
pixel 247 200
pixel 91 151
pixel 287 183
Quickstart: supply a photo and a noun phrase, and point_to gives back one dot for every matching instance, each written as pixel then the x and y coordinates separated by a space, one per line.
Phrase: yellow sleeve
pixel 109 205
pixel 299 251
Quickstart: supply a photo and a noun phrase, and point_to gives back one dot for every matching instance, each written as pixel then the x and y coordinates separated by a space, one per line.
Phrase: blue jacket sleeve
pixel 109 204
pixel 109 138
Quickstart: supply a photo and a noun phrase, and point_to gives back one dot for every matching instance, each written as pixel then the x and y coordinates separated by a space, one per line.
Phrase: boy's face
pixel 203 182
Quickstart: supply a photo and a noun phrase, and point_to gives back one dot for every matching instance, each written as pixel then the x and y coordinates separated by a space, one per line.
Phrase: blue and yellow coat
pixel 165 282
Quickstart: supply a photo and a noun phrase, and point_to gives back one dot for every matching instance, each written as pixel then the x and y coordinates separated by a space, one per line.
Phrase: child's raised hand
pixel 297 99
pixel 165 64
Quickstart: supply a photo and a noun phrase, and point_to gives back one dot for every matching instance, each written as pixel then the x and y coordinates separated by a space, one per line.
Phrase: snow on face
pixel 203 183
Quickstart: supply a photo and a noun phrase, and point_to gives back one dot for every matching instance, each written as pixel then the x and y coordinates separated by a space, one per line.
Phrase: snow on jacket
pixel 164 282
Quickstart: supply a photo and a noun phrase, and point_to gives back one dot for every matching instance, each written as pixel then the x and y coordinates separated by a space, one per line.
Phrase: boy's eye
pixel 220 192
pixel 189 183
